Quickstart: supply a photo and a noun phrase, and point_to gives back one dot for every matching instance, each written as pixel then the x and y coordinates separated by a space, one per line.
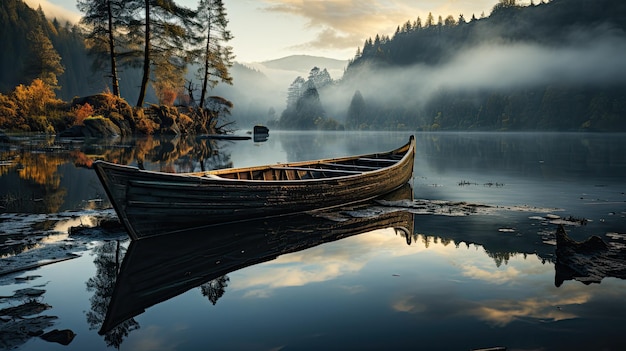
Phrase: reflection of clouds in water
pixel 409 305
pixel 275 275
pixel 503 312
pixel 353 289
pixel 497 312
pixel 450 300
pixel 500 276
pixel 318 264
pixel 157 338
pixel 327 262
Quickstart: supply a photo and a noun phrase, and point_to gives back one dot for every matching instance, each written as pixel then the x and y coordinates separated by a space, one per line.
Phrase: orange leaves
pixel 81 112
pixel 32 100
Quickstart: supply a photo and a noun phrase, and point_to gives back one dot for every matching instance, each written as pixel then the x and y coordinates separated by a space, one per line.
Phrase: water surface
pixel 459 281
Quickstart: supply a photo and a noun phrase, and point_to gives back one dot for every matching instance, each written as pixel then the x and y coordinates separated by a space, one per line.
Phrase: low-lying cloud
pixel 597 62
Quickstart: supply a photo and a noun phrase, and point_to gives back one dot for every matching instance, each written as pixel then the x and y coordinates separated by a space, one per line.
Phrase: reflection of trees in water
pixel 39 164
pixel 215 288
pixel 178 154
pixel 44 193
pixel 40 168
pixel 107 262
pixel 499 257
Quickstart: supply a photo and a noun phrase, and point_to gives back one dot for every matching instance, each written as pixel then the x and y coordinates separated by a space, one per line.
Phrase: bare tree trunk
pixel 116 86
pixel 146 59
pixel 206 65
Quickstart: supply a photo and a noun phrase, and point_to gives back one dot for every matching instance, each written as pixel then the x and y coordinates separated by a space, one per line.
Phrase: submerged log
pixel 588 261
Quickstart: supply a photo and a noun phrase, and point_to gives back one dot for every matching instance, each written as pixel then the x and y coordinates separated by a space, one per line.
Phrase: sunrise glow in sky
pixel 271 29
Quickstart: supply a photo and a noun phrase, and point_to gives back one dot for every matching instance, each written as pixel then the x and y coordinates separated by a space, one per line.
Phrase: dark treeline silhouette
pixel 560 102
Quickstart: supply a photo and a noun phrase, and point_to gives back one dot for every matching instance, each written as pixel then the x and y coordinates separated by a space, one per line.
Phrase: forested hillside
pixel 67 78
pixel 555 65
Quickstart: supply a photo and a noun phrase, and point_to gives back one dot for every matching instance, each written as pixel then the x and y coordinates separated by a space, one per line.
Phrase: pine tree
pixel 319 78
pixel 295 91
pixel 45 62
pixel 356 111
pixel 106 20
pixel 163 31
pixel 430 20
pixel 215 57
pixel 309 109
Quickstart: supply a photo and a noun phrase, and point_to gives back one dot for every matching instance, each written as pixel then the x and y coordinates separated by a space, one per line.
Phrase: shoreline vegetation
pixel 35 109
pixel 164 39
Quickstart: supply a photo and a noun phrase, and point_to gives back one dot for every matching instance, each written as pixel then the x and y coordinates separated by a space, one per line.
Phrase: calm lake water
pixel 476 268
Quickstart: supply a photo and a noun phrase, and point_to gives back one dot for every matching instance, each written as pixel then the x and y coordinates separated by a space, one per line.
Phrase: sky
pixel 271 29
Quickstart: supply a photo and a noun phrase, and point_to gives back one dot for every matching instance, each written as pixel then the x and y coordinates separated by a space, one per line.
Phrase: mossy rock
pixel 100 127
pixel 109 106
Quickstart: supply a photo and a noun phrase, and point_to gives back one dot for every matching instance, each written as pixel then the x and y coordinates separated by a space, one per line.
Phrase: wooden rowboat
pixel 155 203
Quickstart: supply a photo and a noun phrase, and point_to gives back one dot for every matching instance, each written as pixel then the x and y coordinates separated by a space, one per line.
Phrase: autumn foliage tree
pixel 25 107
pixel 32 100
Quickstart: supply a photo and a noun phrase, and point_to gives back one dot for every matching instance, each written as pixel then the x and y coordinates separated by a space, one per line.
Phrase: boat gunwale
pixel 156 179
pixel 213 176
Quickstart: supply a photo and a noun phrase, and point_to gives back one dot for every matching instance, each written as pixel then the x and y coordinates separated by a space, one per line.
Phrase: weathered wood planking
pixel 155 203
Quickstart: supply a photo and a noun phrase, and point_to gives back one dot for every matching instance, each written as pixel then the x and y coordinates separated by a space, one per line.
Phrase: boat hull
pixel 153 203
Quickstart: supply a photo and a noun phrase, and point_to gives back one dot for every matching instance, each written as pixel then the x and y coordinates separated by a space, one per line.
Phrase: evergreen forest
pixel 556 66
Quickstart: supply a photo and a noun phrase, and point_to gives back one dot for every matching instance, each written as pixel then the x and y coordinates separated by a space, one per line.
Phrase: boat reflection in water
pixel 160 268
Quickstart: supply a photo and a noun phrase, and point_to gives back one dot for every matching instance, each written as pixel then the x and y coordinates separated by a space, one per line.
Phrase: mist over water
pixel 590 59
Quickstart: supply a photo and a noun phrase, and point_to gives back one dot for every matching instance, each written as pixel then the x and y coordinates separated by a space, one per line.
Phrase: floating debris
pixel 29 308
pixel 63 337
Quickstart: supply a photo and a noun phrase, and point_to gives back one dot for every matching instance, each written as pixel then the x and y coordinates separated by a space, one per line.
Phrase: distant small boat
pixel 258 129
pixel 155 203
pixel 159 268
pixel 261 133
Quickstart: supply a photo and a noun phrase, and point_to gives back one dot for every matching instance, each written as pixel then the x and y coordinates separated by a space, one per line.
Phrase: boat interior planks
pixel 152 203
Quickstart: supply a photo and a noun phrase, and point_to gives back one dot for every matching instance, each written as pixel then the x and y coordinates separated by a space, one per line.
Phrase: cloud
pixel 347 23
pixel 329 38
